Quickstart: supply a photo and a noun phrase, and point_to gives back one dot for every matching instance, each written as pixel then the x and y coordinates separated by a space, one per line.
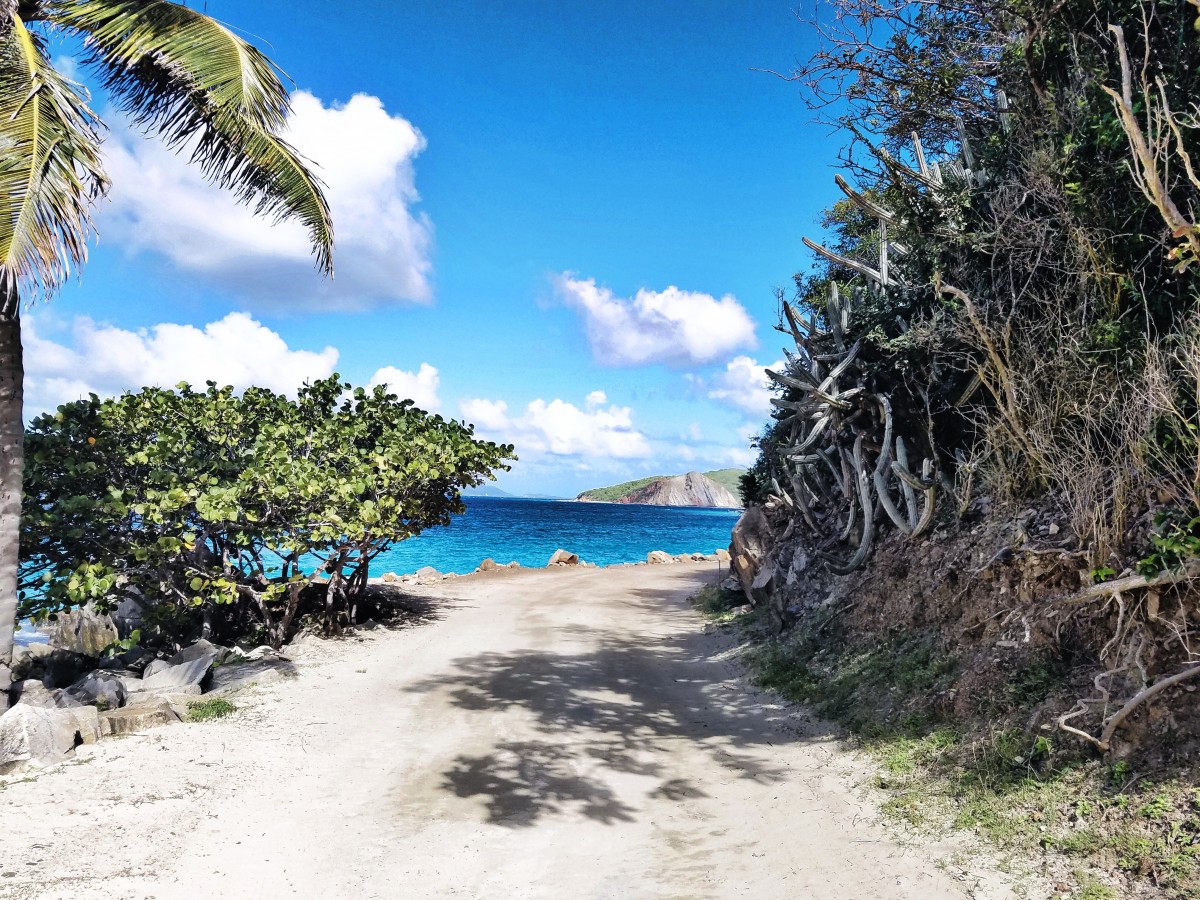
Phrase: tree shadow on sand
pixel 620 705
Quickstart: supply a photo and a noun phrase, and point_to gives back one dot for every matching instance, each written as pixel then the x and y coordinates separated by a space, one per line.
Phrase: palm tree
pixel 176 73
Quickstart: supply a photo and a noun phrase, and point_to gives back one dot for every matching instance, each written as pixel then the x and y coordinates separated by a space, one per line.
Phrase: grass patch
pixel 207 710
pixel 719 605
pixel 1018 790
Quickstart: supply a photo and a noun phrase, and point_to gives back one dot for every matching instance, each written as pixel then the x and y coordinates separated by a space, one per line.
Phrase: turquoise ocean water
pixel 529 531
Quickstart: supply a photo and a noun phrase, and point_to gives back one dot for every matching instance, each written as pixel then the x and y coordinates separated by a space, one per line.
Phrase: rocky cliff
pixel 692 489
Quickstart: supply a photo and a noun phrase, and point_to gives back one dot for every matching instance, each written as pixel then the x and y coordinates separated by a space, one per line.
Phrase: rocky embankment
pixel 692 489
pixel 70 691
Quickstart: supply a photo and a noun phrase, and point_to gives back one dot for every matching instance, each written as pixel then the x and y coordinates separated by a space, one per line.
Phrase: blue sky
pixel 561 222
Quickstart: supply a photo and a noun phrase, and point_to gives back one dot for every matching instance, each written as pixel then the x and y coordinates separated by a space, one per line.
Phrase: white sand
pixel 561 733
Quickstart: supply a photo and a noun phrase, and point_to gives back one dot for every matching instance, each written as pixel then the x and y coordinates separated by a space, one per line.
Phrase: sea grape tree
pixel 228 512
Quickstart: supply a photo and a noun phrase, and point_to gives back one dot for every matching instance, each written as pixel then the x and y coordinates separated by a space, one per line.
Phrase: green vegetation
pixel 235 513
pixel 176 74
pixel 1023 793
pixel 730 479
pixel 718 604
pixel 207 710
pixel 1003 316
pixel 618 491
pixel 1035 333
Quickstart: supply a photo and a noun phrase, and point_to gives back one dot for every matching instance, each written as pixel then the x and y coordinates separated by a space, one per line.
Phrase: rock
pixel 1053 529
pixel 99 689
pixel 427 572
pixel 263 652
pixel 83 631
pixel 513 565
pixel 390 578
pixel 563 558
pixel 198 650
pixel 765 585
pixel 182 673
pixel 799 565
pixel 659 557
pixel 32 692
pixel 156 665
pixel 722 555
pixel 137 658
pixel 488 565
pixel 751 541
pixel 228 679
pixel 692 489
pixel 139 717
pixel 63 667
pixel 127 617
pixel 44 735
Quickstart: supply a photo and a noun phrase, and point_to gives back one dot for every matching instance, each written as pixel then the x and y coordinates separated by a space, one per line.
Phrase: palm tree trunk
pixel 12 460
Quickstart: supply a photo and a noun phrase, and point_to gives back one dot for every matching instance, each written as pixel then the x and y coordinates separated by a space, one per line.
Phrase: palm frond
pixel 190 79
pixel 50 167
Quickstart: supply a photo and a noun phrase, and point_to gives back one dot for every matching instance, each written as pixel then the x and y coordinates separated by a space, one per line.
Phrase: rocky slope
pixel 692 489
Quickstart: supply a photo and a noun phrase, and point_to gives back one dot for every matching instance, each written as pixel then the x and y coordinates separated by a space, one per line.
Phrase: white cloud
pixel 364 155
pixel 744 384
pixel 559 428
pixel 596 398
pixel 421 386
pixel 101 359
pixel 488 415
pixel 671 326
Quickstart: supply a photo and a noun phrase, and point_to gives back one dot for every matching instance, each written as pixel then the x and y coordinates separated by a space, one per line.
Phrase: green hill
pixel 617 491
pixel 730 479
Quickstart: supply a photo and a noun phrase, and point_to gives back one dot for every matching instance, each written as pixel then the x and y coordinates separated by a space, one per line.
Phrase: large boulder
pixel 488 565
pixel 147 713
pixel 42 735
pixel 61 668
pixel 227 679
pixel 83 631
pixel 181 674
pixel 750 543
pixel 563 558
pixel 99 689
pixel 33 693
pixel 659 557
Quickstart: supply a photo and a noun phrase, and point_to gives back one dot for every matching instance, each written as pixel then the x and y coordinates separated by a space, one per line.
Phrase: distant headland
pixel 707 489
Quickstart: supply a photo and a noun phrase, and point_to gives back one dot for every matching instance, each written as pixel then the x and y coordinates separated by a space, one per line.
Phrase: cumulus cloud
pixel 744 384
pixel 421 386
pixel 101 359
pixel 670 326
pixel 560 428
pixel 363 154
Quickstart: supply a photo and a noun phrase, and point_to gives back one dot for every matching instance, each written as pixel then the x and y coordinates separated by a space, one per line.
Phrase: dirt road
pixel 567 733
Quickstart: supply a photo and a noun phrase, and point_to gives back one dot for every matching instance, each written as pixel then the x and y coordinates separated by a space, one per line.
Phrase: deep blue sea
pixel 529 531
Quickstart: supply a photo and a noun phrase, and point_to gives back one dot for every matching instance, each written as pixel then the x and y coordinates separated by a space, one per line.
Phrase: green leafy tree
pixel 176 73
pixel 230 513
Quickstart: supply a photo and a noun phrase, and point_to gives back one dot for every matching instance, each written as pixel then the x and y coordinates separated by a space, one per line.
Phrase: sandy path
pixel 558 733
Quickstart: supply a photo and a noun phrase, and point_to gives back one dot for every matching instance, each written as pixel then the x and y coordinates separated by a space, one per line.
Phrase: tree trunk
pixel 12 460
